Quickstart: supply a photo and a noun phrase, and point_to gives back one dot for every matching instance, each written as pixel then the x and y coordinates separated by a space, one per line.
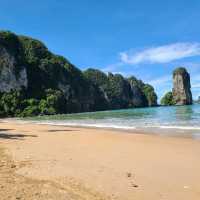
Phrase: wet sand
pixel 78 163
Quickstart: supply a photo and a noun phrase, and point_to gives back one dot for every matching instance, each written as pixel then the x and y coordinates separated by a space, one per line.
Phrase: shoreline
pixel 105 164
pixel 153 131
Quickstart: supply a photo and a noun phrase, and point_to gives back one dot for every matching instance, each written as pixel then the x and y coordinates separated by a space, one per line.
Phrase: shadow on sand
pixel 64 130
pixel 12 135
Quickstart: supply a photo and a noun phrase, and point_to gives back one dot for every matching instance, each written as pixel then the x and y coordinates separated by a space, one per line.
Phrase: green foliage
pixel 179 70
pixel 148 91
pixel 118 91
pixel 33 50
pixel 115 88
pixel 136 82
pixel 167 100
pixel 10 41
pixel 57 86
pixel 15 103
pixel 46 70
pixel 11 103
pixel 54 103
pixel 138 97
pixel 44 107
pixel 97 77
pixel 150 95
pixel 116 85
pixel 30 111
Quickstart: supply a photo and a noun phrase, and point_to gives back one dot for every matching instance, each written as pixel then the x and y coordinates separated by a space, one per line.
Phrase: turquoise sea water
pixel 173 120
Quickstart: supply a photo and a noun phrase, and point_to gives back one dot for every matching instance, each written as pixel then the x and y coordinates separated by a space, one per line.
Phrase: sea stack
pixel 181 87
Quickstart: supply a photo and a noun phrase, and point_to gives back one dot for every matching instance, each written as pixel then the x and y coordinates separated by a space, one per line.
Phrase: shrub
pixel 11 103
pixel 167 100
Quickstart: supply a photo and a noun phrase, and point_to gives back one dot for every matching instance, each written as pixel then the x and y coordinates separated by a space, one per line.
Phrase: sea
pixel 164 120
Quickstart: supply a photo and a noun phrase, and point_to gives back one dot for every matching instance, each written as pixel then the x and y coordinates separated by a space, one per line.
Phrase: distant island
pixel 181 93
pixel 197 101
pixel 34 81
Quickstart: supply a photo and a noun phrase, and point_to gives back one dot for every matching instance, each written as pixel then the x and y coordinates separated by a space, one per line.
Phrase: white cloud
pixel 160 81
pixel 161 54
pixel 196 85
pixel 195 82
pixel 162 85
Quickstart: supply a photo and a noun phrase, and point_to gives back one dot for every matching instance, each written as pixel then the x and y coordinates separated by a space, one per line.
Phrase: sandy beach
pixel 57 162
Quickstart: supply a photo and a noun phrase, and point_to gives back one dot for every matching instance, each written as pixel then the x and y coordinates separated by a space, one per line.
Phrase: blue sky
pixel 144 38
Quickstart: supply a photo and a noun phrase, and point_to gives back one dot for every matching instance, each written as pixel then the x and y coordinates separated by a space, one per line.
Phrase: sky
pixel 147 39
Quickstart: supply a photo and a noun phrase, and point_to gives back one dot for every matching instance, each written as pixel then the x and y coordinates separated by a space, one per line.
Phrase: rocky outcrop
pixel 197 101
pixel 10 78
pixel 35 81
pixel 138 98
pixel 167 99
pixel 120 92
pixel 181 87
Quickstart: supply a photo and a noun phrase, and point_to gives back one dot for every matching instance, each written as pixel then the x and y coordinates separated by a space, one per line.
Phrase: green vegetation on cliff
pixel 179 70
pixel 150 94
pixel 148 91
pixel 34 81
pixel 121 92
pixel 167 100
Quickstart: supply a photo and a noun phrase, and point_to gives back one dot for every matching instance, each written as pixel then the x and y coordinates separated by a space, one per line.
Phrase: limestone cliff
pixel 181 87
pixel 11 76
pixel 120 92
pixel 34 81
pixel 138 98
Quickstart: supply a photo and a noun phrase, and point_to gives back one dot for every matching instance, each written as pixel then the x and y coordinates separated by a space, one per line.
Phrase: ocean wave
pixel 88 125
pixel 115 126
pixel 128 125
pixel 180 127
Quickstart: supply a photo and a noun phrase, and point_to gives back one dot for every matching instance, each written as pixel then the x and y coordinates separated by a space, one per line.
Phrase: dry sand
pixel 54 162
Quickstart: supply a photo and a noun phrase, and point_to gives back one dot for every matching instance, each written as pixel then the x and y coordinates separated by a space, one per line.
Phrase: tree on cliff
pixel 150 95
pixel 122 92
pixel 168 100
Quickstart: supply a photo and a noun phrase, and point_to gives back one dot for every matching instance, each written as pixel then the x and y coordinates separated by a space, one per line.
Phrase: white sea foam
pixel 116 126
pixel 181 120
pixel 180 127
pixel 111 124
pixel 88 125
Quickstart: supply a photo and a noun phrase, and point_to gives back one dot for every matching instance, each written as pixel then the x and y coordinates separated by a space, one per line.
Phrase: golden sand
pixel 59 162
